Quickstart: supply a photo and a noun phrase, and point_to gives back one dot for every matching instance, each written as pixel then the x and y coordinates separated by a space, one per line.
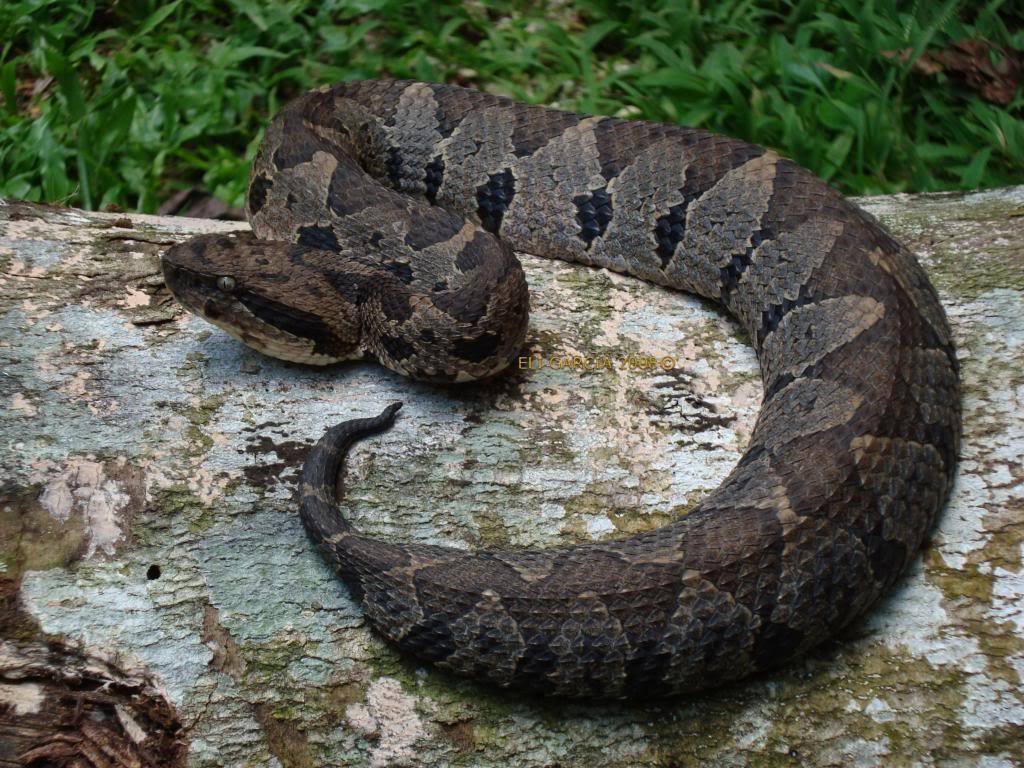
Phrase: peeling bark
pixel 60 707
pixel 148 464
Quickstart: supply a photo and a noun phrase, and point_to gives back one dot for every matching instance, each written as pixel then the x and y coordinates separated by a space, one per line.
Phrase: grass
pixel 126 102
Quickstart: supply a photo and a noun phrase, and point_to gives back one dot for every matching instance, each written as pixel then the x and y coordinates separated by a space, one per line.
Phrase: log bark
pixel 148 532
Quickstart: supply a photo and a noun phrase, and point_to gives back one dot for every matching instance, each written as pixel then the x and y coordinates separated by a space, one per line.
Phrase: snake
pixel 385 218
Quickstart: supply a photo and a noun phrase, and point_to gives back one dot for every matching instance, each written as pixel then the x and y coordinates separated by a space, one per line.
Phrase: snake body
pixel 384 216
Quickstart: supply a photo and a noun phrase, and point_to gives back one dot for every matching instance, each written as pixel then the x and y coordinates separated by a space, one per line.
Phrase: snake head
pixel 309 305
pixel 271 295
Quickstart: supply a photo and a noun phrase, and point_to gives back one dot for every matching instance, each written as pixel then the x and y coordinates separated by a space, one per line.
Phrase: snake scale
pixel 384 218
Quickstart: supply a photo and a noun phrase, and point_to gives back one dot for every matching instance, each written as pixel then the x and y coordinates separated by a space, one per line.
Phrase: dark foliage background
pixel 128 103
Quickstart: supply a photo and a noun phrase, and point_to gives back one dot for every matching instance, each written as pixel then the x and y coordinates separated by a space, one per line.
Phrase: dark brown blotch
pixel 493 198
pixel 534 128
pixel 475 253
pixel 479 349
pixel 351 286
pixel 322 238
pixel 429 225
pixel 297 322
pixel 258 190
pixel 593 214
pixel 433 176
pixel 296 150
pixel 453 104
pixel 396 347
pixel 341 198
pixel 399 269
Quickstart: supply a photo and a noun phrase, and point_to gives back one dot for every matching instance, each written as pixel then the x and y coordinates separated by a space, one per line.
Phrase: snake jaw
pixel 269 327
pixel 268 340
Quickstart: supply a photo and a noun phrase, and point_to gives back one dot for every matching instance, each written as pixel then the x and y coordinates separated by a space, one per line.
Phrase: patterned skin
pixel 385 214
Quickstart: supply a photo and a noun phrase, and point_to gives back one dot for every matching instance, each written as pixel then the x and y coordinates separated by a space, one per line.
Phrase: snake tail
pixel 319 486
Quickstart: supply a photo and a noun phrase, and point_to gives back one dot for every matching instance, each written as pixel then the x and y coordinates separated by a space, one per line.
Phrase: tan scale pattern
pixel 646 189
pixel 546 183
pixel 719 224
pixel 473 161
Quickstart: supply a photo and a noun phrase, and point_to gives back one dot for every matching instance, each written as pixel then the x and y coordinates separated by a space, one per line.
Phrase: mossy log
pixel 160 603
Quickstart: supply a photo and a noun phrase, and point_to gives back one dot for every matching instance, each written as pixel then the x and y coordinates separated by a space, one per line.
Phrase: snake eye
pixel 226 284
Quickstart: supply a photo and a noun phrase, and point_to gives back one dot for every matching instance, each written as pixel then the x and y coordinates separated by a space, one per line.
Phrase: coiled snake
pixel 384 217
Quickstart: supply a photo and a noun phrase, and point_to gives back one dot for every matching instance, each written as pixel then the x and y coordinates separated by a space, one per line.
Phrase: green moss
pixel 32 539
pixel 971 278
pixel 964 588
pixel 630 521
pixel 452 698
pixel 808 704
pixel 199 417
pixel 592 292
pixel 177 502
pixel 973 242
pixel 492 531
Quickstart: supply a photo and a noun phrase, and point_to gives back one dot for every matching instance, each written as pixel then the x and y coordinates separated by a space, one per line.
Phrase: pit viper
pixel 384 219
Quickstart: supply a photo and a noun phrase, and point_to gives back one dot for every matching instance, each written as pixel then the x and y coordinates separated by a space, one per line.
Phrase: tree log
pixel 158 588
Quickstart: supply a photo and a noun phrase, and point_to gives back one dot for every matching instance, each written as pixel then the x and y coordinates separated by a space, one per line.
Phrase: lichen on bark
pixel 148 465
